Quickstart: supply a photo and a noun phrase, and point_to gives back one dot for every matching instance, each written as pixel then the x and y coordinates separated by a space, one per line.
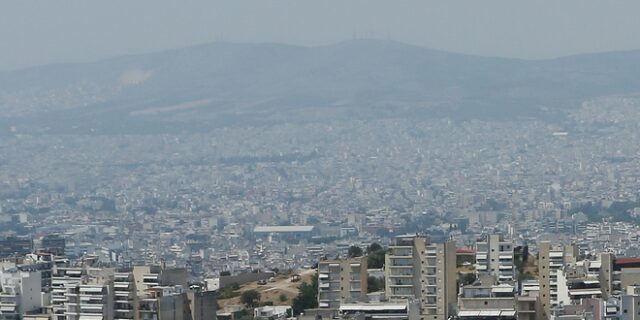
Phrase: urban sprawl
pixel 369 219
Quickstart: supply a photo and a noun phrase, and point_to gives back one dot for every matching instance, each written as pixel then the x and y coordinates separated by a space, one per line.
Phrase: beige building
pixel 618 273
pixel 551 259
pixel 416 268
pixel 341 281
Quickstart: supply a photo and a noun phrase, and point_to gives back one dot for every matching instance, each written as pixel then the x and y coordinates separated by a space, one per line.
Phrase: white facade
pixel 21 293
pixel 494 256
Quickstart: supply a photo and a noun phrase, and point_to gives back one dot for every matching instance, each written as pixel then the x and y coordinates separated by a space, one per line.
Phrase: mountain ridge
pixel 278 82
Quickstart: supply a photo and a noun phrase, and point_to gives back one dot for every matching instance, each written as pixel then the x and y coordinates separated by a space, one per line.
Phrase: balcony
pixel 397 273
pixel 401 252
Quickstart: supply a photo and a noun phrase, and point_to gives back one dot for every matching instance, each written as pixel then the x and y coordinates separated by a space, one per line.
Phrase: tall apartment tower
pixel 416 268
pixel 125 298
pixel 552 259
pixel 341 281
pixel 606 274
pixel 494 256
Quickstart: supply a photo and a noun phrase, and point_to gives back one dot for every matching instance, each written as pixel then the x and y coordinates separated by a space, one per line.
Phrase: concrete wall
pixel 244 278
pixel 30 292
pixel 203 305
pixel 174 307
pixel 492 303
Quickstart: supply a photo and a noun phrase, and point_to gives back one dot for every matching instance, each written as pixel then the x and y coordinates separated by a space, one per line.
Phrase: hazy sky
pixel 38 32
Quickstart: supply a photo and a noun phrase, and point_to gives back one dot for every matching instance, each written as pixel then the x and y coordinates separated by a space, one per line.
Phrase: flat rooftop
pixel 282 229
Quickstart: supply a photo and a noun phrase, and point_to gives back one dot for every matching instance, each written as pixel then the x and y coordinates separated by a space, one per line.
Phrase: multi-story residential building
pixel 147 277
pixel 81 292
pixel 416 268
pixel 494 256
pixel 341 281
pixel 617 273
pixel 21 293
pixel 204 303
pixel 400 310
pixel 62 281
pixel 165 303
pixel 630 304
pixel 488 300
pixel 42 262
pixel 92 299
pixel 551 259
pixel 576 282
pixel 125 298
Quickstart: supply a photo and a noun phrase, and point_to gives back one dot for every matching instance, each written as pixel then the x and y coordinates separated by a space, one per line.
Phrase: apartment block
pixel 494 256
pixel 630 304
pixel 416 268
pixel 551 259
pixel 91 300
pixel 20 293
pixel 341 281
pixel 125 298
pixel 617 273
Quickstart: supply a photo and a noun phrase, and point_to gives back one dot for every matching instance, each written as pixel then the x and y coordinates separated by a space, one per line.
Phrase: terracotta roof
pixel 626 261
pixel 465 251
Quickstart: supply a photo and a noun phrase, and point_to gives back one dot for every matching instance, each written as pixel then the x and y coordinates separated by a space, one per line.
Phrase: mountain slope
pixel 227 83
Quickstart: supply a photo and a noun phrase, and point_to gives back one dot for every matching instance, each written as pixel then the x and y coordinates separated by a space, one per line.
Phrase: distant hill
pixel 223 83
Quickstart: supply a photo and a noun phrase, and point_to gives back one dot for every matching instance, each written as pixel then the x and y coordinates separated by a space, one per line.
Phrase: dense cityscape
pixel 320 160
pixel 192 210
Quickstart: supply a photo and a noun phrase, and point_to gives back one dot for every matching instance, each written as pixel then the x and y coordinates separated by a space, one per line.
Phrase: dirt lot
pixel 272 290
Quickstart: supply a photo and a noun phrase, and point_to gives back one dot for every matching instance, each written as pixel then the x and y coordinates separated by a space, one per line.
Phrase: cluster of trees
pixel 250 298
pixel 307 296
pixel 375 255
pixel 375 284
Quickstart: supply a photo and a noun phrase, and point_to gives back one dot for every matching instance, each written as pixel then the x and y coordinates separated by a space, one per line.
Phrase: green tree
pixel 250 298
pixel 375 284
pixel 374 247
pixel 375 256
pixel 307 296
pixel 355 251
pixel 467 278
pixel 283 297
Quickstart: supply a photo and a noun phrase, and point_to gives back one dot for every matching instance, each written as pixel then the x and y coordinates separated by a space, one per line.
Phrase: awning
pixel 490 313
pixel 468 313
pixel 585 292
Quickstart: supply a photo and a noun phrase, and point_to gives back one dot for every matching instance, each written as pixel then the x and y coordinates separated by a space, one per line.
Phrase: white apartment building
pixel 494 256
pixel 21 293
pixel 82 293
